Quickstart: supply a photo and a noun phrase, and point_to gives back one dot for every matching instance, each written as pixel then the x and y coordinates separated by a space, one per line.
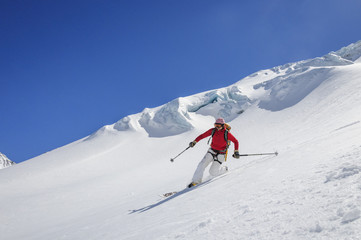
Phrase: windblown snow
pixel 109 185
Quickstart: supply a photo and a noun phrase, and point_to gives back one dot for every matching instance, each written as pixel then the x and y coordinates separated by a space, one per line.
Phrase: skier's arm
pixel 234 140
pixel 204 135
pixel 200 137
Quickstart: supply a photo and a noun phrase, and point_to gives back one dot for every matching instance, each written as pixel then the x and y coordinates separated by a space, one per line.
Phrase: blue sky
pixel 69 67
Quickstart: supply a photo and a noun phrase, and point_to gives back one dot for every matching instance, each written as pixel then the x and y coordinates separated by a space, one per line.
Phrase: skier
pixel 216 153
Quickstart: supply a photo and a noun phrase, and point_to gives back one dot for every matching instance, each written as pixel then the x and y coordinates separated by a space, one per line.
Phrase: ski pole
pixel 172 159
pixel 258 154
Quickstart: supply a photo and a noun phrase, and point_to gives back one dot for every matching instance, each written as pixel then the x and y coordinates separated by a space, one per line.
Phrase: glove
pixel 235 154
pixel 191 144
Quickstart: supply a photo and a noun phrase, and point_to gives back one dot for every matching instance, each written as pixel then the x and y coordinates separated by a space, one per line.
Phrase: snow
pixel 351 52
pixel 351 216
pixel 177 116
pixel 108 185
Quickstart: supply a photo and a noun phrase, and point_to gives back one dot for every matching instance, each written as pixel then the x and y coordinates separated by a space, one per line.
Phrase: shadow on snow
pixel 180 193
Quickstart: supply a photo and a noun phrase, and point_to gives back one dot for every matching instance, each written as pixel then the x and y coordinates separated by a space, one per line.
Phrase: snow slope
pixel 107 185
pixel 5 162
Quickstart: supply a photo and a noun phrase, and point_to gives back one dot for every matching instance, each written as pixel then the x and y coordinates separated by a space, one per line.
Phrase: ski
pixel 187 189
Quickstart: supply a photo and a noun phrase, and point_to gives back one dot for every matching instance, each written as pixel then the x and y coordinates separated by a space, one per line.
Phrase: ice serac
pixel 170 119
pixel 227 103
pixel 294 81
pixel 176 116
pixel 5 162
pixel 286 91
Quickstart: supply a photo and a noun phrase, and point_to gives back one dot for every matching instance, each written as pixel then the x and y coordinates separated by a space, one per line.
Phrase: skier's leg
pixel 198 174
pixel 217 168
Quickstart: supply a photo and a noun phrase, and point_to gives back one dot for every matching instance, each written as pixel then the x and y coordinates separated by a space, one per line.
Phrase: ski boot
pixel 192 184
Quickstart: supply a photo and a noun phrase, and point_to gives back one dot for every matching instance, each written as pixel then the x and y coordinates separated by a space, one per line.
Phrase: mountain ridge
pixel 173 117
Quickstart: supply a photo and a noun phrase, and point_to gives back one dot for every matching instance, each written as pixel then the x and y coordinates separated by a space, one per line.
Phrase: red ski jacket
pixel 218 141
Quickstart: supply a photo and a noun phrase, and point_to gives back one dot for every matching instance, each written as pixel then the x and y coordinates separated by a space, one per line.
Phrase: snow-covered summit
pixel 5 162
